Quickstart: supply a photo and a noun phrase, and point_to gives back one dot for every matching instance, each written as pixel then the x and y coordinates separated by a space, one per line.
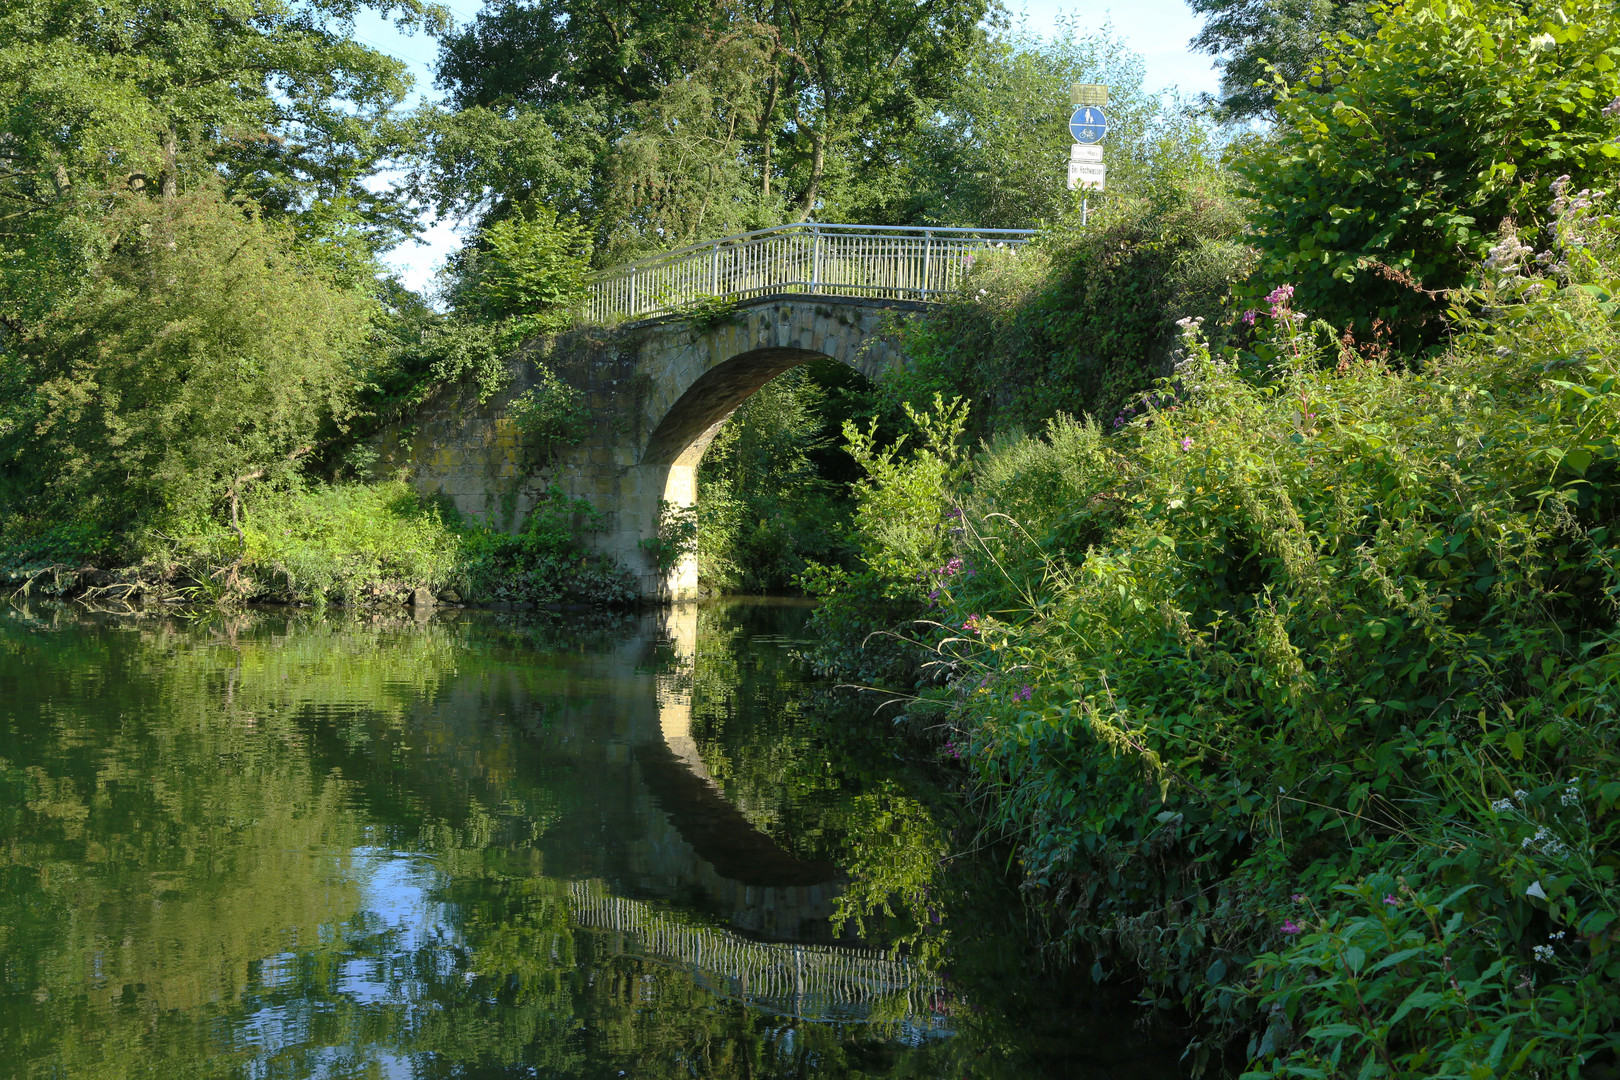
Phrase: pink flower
pixel 1391 901
pixel 1248 317
pixel 1291 927
pixel 1186 444
pixel 971 624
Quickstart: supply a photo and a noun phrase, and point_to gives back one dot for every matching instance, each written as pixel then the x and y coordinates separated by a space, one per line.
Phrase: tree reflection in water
pixel 270 845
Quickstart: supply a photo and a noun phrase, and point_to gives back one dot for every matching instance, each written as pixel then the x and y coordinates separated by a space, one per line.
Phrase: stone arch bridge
pixel 660 384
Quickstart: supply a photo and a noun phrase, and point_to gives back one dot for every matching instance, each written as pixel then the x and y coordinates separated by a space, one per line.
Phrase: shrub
pixel 1288 625
pixel 1081 319
pixel 1393 166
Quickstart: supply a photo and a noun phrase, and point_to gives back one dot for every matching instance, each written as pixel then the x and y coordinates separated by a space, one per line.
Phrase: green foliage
pixel 677 536
pixel 1396 161
pixel 530 268
pixel 708 312
pixel 1085 316
pixel 545 563
pixel 347 542
pixel 549 412
pixel 769 501
pixel 1260 44
pixel 666 125
pixel 1391 981
pixel 358 544
pixel 1293 625
pixel 275 100
pixel 204 353
pixel 993 155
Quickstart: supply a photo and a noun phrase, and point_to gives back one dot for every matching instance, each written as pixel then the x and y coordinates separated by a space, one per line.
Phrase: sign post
pixel 1088 124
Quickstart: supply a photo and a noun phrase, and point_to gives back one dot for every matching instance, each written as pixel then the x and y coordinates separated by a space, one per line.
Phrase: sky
pixel 1157 29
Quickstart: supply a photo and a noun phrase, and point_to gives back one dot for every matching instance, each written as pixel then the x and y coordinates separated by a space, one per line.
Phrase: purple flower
pixel 1612 108
pixel 1186 444
pixel 1291 927
pixel 1023 694
pixel 1248 317
pixel 1119 421
pixel 1278 299
pixel 954 512
pixel 1298 898
pixel 1392 901
pixel 934 595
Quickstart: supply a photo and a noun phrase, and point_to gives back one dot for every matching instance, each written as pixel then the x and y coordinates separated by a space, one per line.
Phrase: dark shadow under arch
pixel 698 413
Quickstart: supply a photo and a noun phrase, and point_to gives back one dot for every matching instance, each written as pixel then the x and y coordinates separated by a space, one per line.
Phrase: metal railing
pixel 887 261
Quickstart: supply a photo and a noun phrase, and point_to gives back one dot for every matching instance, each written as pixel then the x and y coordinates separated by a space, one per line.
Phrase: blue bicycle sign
pixel 1088 124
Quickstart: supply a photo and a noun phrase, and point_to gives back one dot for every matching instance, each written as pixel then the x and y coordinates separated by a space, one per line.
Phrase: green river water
pixel 290 845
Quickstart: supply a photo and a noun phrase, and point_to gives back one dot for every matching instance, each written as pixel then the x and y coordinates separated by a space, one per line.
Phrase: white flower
pixel 1536 891
pixel 1503 806
pixel 1571 796
pixel 1544 953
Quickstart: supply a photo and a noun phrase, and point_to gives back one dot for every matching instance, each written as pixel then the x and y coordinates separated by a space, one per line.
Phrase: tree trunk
pixel 818 166
pixel 168 182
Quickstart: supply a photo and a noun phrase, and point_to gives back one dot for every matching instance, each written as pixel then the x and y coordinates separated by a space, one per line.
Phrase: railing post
pixel 714 271
pixel 928 262
pixel 815 259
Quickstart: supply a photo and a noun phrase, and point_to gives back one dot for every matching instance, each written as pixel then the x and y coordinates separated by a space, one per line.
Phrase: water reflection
pixel 291 846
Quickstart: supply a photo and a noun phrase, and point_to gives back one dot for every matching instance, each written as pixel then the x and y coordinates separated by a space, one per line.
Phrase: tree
pixel 1258 42
pixel 205 352
pixel 134 96
pixel 663 123
pixel 1387 177
pixel 995 153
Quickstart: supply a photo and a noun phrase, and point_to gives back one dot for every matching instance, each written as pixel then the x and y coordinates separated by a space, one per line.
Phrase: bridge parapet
pixel 876 261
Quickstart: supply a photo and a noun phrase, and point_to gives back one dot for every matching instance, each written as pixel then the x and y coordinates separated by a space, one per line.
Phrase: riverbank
pixel 1295 685
pixel 351 545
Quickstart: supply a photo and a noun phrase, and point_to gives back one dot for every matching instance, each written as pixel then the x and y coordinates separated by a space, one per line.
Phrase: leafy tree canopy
pixel 665 123
pixel 995 152
pixel 1256 42
pixel 130 95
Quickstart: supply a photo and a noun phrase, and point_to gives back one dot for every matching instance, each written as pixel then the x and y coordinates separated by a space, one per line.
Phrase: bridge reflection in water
pixel 768 938
pixel 826 983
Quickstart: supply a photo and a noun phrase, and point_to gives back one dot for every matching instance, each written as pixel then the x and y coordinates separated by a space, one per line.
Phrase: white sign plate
pixel 1086 174
pixel 1082 152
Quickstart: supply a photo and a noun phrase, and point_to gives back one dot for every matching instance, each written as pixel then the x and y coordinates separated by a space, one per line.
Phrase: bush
pixel 378 543
pixel 1302 623
pixel 204 353
pixel 1393 166
pixel 1081 319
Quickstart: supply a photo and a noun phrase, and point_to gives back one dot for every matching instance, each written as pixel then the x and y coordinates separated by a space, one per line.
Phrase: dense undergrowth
pixel 349 544
pixel 1295 684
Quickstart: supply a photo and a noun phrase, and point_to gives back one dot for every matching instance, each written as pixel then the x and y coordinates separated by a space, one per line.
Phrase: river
pixel 289 844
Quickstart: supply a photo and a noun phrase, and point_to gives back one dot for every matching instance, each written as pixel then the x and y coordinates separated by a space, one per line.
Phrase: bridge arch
pixel 697 385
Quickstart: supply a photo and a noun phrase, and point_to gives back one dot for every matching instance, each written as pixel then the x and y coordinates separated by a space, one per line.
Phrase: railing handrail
pixel 804 226
pixel 893 262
